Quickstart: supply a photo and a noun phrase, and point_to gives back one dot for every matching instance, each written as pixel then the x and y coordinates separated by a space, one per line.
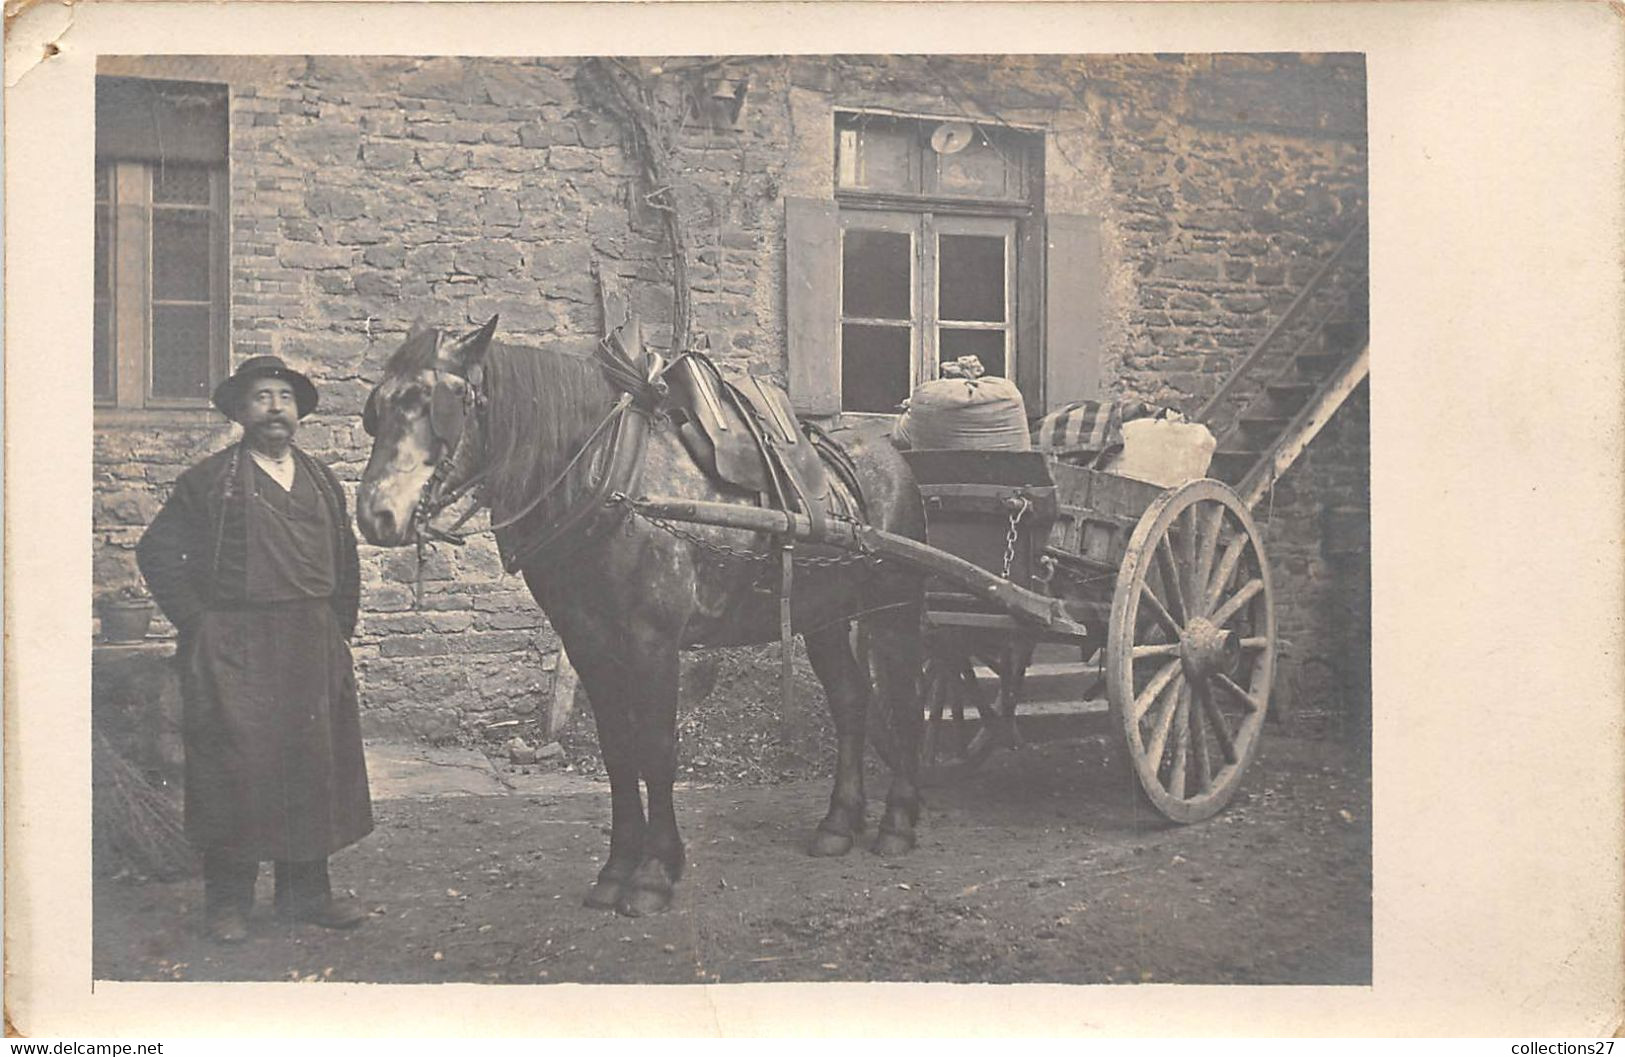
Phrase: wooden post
pixel 562 707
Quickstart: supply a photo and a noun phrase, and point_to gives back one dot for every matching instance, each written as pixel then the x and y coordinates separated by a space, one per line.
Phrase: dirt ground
pixel 1042 866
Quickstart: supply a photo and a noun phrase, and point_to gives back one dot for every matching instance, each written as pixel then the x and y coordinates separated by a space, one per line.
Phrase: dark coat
pixel 191 555
pixel 274 761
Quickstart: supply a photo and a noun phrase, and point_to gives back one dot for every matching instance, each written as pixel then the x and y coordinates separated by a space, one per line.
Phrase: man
pixel 254 562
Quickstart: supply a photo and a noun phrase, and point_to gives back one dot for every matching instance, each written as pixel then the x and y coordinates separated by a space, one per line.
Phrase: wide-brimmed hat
pixel 228 395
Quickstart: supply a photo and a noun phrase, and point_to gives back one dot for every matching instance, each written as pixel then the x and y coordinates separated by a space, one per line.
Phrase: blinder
pixel 448 411
pixel 448 408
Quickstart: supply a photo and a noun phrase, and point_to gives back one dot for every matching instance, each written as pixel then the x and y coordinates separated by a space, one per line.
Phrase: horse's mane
pixel 542 407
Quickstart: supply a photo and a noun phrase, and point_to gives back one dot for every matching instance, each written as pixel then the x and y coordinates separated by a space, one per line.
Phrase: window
pixel 929 214
pixel 918 290
pixel 935 245
pixel 161 242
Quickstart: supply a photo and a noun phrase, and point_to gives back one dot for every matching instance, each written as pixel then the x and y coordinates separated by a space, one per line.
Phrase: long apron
pixel 274 767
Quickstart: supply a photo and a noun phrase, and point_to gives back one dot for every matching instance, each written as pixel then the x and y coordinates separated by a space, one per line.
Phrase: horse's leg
pixel 651 675
pixel 592 644
pixel 601 674
pixel 846 687
pixel 895 635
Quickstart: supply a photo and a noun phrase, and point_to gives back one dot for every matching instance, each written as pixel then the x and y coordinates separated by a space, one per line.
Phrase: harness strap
pixel 596 513
pixel 787 688
pixel 586 446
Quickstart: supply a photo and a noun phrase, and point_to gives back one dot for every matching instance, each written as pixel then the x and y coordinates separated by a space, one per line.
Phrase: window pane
pixel 102 366
pixel 180 184
pixel 180 350
pixel 971 268
pixel 985 345
pixel 874 367
pixel 978 169
pixel 180 254
pixel 879 156
pixel 875 270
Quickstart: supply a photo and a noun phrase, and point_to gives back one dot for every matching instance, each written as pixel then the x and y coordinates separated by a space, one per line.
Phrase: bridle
pixel 452 417
pixel 452 414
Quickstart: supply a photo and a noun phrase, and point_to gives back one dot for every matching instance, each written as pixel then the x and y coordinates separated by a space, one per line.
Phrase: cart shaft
pixel 1052 613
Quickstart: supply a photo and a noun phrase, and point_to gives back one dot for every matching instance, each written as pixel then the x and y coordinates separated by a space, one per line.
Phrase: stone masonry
pixel 369 192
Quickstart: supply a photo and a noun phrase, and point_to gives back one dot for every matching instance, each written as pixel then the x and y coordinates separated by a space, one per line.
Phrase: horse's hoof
pixel 603 895
pixel 890 843
pixel 641 901
pixel 826 844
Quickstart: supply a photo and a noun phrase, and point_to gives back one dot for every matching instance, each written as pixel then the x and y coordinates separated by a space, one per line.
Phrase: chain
pixel 812 561
pixel 1010 537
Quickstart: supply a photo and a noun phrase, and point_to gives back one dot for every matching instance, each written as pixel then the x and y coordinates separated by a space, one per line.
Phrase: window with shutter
pixel 161 312
pixel 935 248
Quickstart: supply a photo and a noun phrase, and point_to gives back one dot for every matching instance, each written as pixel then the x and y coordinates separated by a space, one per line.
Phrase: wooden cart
pixel 1167 592
pixel 1169 587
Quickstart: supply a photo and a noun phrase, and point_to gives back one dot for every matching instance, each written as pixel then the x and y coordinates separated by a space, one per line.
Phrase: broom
pixel 135 822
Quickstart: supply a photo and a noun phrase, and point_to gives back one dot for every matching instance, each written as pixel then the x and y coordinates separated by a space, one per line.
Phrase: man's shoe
pixel 330 913
pixel 228 926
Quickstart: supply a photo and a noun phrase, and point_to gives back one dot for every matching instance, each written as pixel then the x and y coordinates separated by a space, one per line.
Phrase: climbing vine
pixel 631 95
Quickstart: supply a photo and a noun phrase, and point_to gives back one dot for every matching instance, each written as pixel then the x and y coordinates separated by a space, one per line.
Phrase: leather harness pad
pixel 742 430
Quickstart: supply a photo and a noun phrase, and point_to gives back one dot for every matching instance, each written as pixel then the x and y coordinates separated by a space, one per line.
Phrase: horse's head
pixel 419 416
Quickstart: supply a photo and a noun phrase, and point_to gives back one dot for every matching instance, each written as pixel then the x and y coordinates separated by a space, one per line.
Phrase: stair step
pixel 1344 335
pixel 1317 365
pixel 1290 396
pixel 1261 431
pixel 1232 466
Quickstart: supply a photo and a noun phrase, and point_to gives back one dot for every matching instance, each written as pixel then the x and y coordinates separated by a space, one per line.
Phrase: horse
pixel 528 432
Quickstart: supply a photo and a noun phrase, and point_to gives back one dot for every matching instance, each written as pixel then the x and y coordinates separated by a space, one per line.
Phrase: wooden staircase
pixel 1287 388
pixel 1267 411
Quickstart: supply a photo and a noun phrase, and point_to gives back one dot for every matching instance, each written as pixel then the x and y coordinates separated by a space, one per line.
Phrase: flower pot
pixel 125 621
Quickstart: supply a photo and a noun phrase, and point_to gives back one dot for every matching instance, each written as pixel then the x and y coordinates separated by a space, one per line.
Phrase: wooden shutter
pixel 812 256
pixel 1074 298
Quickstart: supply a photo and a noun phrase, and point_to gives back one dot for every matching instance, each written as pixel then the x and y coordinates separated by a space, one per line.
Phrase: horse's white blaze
pixel 401 464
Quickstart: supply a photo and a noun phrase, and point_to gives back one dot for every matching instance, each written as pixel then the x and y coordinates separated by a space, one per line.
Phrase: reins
pixel 434 498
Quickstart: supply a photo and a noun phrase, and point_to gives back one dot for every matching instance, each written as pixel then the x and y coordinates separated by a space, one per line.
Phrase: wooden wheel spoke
pixel 1182 743
pixel 1171 580
pixel 1165 723
pixel 1216 722
pixel 1221 576
pixel 1236 601
pixel 1188 585
pixel 1153 690
pixel 1229 686
pixel 1155 649
pixel 1160 612
pixel 1204 765
pixel 1207 546
pixel 1255 642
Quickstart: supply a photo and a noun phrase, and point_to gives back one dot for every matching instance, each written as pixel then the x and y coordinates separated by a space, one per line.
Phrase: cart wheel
pixel 955 743
pixel 1190 652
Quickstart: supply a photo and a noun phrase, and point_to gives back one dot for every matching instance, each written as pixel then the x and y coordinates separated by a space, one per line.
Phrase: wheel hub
pixel 1208 649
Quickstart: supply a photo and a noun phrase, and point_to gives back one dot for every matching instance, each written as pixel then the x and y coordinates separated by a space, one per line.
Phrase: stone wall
pixel 369 192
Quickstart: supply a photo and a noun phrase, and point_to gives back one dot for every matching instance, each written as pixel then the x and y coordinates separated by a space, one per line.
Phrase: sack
pixel 984 413
pixel 1165 452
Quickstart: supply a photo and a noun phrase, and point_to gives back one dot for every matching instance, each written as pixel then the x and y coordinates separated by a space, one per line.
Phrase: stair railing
pixel 1288 318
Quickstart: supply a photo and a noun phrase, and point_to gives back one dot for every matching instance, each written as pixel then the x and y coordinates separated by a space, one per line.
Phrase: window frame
pixel 933 214
pixel 132 165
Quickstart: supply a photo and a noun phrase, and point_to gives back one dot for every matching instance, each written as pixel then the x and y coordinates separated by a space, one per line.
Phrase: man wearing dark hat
pixel 253 560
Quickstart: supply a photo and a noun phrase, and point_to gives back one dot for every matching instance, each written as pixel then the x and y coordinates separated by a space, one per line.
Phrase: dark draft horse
pixel 528 425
